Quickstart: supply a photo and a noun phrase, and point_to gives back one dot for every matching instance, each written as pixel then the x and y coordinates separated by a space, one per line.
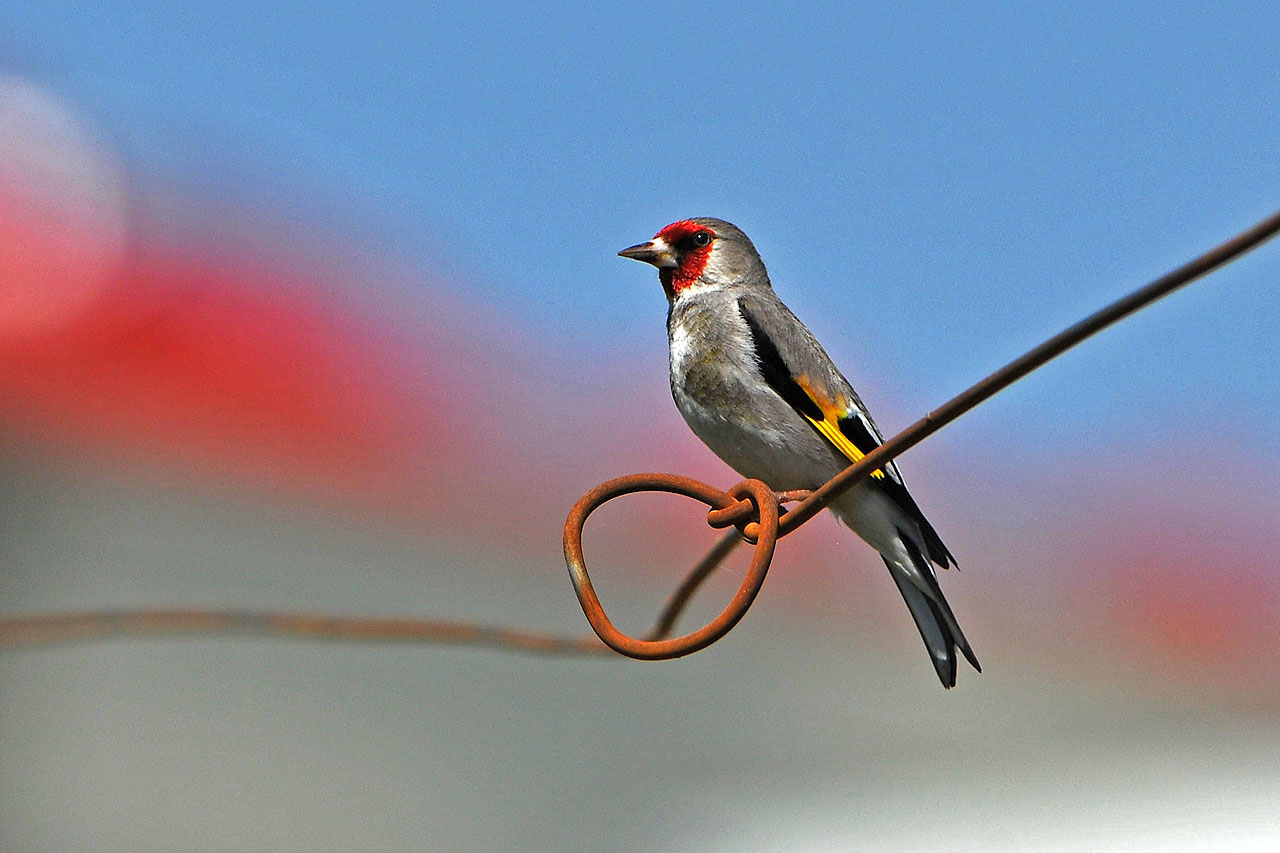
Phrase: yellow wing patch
pixel 829 426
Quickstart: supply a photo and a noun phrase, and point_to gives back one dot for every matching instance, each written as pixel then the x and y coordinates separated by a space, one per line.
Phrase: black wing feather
pixel 856 431
pixel 778 376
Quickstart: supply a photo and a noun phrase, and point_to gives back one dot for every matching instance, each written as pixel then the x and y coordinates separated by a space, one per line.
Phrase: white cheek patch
pixel 712 272
pixel 715 273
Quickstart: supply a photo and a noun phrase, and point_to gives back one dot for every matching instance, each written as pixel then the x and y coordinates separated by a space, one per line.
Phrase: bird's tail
pixel 938 627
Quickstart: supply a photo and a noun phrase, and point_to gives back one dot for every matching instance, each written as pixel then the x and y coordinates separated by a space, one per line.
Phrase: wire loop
pixel 764 505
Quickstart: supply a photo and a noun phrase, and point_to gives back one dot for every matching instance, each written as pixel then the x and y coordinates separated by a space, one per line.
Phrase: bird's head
pixel 693 254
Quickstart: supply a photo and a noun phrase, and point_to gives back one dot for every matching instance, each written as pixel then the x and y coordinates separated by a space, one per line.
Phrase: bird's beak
pixel 655 252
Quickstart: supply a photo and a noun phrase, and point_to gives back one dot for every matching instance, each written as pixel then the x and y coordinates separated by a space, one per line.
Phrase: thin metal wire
pixel 45 630
pixel 749 506
pixel 684 593
pixel 766 509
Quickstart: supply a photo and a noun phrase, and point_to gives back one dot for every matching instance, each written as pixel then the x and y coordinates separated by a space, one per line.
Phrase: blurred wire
pixel 750 506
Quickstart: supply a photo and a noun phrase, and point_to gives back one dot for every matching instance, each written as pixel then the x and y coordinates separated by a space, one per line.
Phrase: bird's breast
pixel 710 368
pixel 717 386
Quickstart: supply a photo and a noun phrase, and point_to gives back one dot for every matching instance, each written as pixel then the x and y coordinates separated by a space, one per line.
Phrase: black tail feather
pixel 937 624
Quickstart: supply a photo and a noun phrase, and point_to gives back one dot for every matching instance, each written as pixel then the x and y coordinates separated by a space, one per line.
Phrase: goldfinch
pixel 756 386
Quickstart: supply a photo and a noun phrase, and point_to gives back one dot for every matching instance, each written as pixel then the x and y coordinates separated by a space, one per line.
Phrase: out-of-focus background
pixel 317 308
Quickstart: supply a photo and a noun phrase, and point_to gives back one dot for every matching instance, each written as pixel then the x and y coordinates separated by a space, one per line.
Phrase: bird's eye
pixel 702 238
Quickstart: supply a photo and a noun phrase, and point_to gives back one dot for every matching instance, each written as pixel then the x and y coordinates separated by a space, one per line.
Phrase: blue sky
pixel 934 190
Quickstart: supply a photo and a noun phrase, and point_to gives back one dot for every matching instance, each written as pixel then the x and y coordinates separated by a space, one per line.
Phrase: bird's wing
pixel 817 391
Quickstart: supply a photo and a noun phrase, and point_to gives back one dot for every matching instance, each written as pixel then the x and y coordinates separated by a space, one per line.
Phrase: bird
pixel 757 388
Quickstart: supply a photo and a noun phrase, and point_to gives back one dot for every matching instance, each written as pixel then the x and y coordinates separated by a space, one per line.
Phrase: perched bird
pixel 756 386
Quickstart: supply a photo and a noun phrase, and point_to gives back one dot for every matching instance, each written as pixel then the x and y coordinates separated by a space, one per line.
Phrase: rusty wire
pixel 50 629
pixel 750 507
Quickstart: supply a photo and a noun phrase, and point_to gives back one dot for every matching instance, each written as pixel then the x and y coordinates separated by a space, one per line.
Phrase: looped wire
pixel 764 504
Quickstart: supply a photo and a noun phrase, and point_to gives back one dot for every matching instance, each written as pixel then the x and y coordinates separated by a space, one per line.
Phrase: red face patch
pixel 692 244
